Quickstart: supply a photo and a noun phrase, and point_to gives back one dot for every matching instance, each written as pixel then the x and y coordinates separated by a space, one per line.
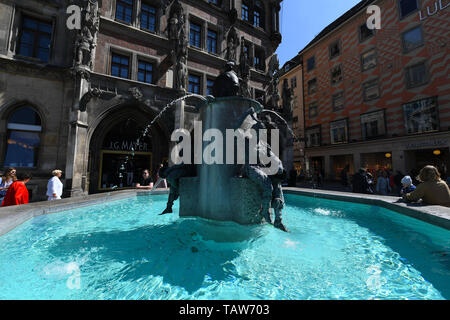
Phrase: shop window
pixel 195 35
pixel 124 10
pixel 212 41
pixel 421 116
pixel 365 33
pixel 194 84
pixel 407 7
pixel 35 39
pixel 416 75
pixel 311 63
pixel 312 86
pixel 412 39
pixel 122 157
pixel 335 49
pixel 339 132
pixel 120 66
pixel 371 90
pixel 148 17
pixel 23 138
pixel 145 71
pixel 373 125
pixel 313 137
pixel 369 60
pixel 313 110
pixel 338 101
pixel 336 74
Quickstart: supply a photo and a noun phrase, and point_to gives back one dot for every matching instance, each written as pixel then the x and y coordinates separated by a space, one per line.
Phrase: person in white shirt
pixel 55 186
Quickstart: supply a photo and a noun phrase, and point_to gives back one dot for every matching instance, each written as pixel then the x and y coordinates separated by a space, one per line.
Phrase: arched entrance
pixel 118 152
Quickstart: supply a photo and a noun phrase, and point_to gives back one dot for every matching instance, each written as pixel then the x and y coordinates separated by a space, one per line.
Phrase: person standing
pixel 6 181
pixel 383 186
pixel 17 193
pixel 55 186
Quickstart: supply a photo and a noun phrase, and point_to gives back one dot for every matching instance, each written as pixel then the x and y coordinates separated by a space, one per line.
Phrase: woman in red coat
pixel 17 192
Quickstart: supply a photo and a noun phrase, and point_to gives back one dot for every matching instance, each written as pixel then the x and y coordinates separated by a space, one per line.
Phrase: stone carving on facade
pixel 95 93
pixel 136 93
pixel 86 39
pixel 244 72
pixel 232 44
pixel 288 99
pixel 178 40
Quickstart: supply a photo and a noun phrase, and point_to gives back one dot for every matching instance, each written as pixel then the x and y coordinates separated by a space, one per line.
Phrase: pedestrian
pixel 433 190
pixel 383 185
pixel 160 182
pixel 344 175
pixel 17 193
pixel 146 181
pixel 408 185
pixel 6 181
pixel 360 182
pixel 398 182
pixel 54 186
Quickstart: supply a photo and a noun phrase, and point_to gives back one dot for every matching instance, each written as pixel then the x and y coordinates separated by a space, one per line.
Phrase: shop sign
pixel 438 6
pixel 427 144
pixel 128 146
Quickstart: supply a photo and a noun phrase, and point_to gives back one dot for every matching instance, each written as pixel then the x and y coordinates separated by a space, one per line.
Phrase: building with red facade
pixel 379 98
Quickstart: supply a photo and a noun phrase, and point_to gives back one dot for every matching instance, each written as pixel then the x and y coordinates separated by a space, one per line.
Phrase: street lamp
pixel 388 155
pixel 437 152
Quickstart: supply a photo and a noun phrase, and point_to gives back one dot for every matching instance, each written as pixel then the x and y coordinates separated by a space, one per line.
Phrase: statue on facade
pixel 288 97
pixel 273 75
pixel 86 39
pixel 232 44
pixel 244 72
pixel 178 40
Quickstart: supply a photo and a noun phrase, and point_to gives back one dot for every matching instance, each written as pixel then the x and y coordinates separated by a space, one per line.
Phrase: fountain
pixel 227 192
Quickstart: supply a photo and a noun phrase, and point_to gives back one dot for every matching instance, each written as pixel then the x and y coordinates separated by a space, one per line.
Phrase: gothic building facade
pixel 81 80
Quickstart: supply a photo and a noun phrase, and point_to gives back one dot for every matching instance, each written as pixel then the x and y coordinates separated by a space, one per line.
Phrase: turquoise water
pixel 124 250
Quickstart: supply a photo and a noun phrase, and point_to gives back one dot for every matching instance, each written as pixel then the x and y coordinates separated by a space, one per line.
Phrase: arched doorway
pixel 118 152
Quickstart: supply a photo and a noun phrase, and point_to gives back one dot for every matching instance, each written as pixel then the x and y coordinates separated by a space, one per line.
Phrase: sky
pixel 302 20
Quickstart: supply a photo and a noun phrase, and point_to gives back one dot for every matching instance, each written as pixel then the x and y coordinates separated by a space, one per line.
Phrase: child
pixel 408 186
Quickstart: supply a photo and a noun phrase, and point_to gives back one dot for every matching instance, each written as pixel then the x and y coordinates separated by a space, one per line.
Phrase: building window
pixel 260 96
pixel 245 12
pixel 294 82
pixel 209 87
pixel 407 7
pixel 311 63
pixel 148 17
pixel 212 41
pixel 313 110
pixel 412 39
pixel 194 84
pixel 365 33
pixel 216 2
pixel 369 60
pixel 247 51
pixel 313 137
pixel 416 75
pixel 373 125
pixel 259 60
pixel 338 101
pixel 339 132
pixel 335 49
pixel 145 72
pixel 312 86
pixel 371 90
pixel 258 14
pixel 24 128
pixel 336 74
pixel 195 35
pixel 124 10
pixel 35 39
pixel 120 66
pixel 421 116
